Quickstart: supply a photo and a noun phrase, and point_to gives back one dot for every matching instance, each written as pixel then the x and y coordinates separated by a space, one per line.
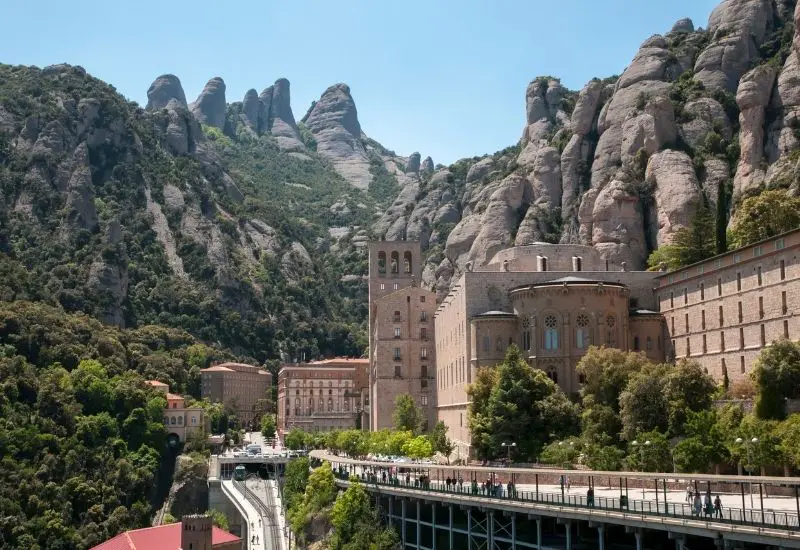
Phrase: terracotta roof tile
pixel 163 537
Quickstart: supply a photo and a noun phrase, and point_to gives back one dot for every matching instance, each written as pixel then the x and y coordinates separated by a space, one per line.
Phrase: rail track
pixel 266 511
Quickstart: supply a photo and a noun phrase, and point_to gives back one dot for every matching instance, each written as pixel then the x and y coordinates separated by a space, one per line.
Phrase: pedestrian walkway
pixel 254 536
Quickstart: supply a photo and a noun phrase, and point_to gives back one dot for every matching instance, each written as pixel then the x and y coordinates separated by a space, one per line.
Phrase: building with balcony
pixel 723 311
pixel 244 389
pixel 180 421
pixel 321 396
pixel 402 356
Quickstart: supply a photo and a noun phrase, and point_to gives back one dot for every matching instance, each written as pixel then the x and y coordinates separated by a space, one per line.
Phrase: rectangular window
pixel 688 347
pixel 784 306
pixel 763 335
pixel 461 420
pixel 423 316
pixel 704 343
pixel 422 299
pixel 758 271
pixel 685 296
pixel 757 251
pixel 686 322
pixel 672 322
pixel 702 291
pixel 737 258
pixel 551 338
pixel 780 244
pixel 398 371
pixel 722 340
pixel 397 332
pixel 719 287
pixel 424 400
pixel 741 363
pixel 526 340
pixel 741 316
pixel 721 317
pixel 423 371
pixel 423 333
pixel 738 281
pixel 671 299
pixel 396 354
pixel 717 264
pixel 785 328
pixel 760 307
pixel 423 352
pixel 383 286
pixel 741 338
pixel 701 269
pixel 783 270
pixel 703 320
pixel 395 286
pixel 396 317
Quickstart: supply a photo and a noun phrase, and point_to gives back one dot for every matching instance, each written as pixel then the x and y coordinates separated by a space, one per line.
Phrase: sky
pixel 445 78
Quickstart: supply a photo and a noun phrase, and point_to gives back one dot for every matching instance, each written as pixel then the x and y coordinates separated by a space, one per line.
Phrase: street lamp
pixel 508 447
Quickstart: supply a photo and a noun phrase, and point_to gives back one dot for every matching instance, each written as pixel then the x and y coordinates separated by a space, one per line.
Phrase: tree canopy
pixel 407 415
pixel 765 215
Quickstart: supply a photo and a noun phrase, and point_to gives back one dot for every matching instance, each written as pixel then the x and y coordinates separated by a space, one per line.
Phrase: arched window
pixel 330 405
pixel 611 328
pixel 649 343
pixel 321 405
pixel 395 262
pixel 172 420
pixel 407 263
pixel 180 420
pixel 550 332
pixel 553 375
pixel 499 344
pixel 382 263
pixel 194 420
pixel 582 340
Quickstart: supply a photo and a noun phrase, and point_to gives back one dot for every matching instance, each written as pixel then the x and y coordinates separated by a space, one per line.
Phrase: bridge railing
pixel 657 508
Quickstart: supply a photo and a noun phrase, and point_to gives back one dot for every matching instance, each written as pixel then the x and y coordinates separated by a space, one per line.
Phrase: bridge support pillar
pixel 403 505
pixel 638 535
pixel 568 524
pixel 601 536
pixel 450 528
pixel 419 522
pixel 490 529
pixel 538 533
pixel 469 528
pixel 680 540
pixel 433 523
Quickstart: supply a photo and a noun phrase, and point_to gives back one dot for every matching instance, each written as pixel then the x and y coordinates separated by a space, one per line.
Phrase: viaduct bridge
pixel 545 509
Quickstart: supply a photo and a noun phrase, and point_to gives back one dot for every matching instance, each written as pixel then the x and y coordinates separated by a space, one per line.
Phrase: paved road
pixel 252 517
pixel 267 492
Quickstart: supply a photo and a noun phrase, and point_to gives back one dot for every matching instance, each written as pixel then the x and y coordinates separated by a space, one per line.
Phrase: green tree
pixel 268 426
pixel 295 481
pixel 788 433
pixel 219 519
pixel 651 453
pixel 562 454
pixel 353 442
pixel 419 447
pixel 168 518
pixel 689 245
pixel 704 446
pixel 440 442
pixel 643 404
pixel 687 388
pixel 356 524
pixel 763 216
pixel 295 439
pixel 320 492
pixel 606 458
pixel 777 377
pixel 407 415
pixel 516 409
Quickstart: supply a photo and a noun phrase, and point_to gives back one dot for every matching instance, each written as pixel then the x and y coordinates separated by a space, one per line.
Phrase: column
pixel 568 524
pixel 433 523
pixel 469 529
pixel 403 504
pixel 513 532
pixel 419 522
pixel 538 533
pixel 601 536
pixel 638 535
pixel 489 529
pixel 450 531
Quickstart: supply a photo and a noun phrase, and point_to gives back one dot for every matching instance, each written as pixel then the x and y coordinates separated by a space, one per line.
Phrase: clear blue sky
pixel 446 79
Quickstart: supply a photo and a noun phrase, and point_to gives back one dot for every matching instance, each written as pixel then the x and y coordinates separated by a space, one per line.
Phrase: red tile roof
pixel 163 537
pixel 174 396
pixel 346 360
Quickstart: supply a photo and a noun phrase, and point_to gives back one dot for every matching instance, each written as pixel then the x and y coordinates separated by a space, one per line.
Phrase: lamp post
pixel 748 445
pixel 508 447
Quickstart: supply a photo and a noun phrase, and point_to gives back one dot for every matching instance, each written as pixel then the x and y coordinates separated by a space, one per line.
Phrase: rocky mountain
pixel 218 218
pixel 699 119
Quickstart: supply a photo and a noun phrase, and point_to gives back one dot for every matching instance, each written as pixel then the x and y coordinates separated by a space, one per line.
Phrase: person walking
pixel 718 507
pixel 698 505
pixel 708 507
pixel 689 494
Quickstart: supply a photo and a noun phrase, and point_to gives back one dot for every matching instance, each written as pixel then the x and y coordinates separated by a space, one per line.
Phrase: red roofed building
pixel 242 388
pixel 195 532
pixel 180 420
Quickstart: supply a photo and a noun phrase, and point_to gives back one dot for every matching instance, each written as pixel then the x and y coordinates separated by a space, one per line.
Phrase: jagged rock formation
pixel 427 166
pixel 628 161
pixel 333 121
pixel 164 89
pixel 412 166
pixel 210 106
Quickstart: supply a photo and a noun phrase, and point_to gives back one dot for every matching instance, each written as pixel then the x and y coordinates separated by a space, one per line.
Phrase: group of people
pixel 706 505
pixel 452 483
